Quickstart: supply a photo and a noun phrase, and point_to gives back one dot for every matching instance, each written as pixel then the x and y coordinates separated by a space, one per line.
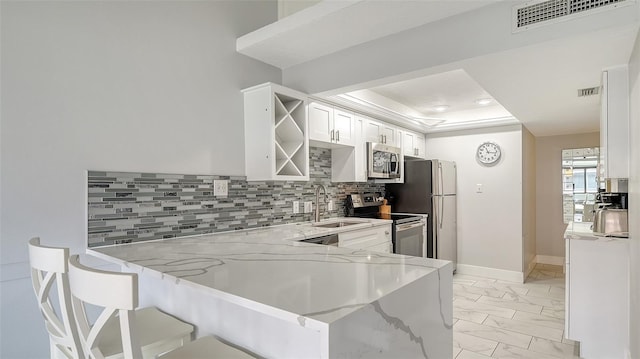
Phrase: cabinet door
pixel 360 151
pixel 614 123
pixel 420 145
pixel 408 145
pixel 343 125
pixel 320 122
pixel 365 238
pixel 389 135
pixel 598 283
pixel 373 131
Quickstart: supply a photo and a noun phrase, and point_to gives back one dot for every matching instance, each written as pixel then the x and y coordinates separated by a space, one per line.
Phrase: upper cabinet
pixel 349 164
pixel 614 124
pixel 380 132
pixel 276 134
pixel 331 125
pixel 413 144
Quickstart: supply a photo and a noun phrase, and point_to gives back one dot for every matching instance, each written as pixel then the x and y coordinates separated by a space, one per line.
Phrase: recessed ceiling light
pixel 483 101
pixel 441 108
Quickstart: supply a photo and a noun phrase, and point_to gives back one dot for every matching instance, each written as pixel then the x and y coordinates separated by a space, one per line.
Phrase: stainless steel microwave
pixel 383 161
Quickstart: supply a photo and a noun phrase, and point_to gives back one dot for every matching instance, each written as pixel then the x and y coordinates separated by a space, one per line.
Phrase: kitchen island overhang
pixel 280 298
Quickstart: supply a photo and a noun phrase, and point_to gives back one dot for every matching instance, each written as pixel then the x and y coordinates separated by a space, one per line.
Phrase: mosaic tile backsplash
pixel 126 206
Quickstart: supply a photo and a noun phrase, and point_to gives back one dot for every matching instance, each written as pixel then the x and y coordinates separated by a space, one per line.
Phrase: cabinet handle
pixel 338 136
pixel 332 135
pixel 386 233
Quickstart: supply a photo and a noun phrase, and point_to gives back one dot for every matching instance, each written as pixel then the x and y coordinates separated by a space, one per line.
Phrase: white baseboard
pixel 493 273
pixel 555 260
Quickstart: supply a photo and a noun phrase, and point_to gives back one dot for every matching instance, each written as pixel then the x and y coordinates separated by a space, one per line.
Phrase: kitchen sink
pixel 335 224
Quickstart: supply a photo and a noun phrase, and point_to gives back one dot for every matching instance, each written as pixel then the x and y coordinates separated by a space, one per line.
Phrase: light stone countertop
pixel 268 270
pixel 583 230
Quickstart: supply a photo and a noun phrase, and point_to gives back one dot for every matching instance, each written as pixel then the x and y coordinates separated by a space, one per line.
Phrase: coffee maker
pixel 611 216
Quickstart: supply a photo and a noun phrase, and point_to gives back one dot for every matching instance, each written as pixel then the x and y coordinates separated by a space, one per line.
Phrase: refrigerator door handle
pixel 441 193
pixel 436 232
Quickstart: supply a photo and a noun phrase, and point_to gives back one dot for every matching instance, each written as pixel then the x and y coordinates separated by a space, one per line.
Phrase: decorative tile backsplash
pixel 126 206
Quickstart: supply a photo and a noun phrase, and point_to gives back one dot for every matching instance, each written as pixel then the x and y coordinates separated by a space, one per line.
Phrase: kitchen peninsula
pixel 267 292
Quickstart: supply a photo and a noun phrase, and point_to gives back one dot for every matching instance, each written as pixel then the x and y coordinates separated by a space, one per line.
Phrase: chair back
pixel 116 294
pixel 49 267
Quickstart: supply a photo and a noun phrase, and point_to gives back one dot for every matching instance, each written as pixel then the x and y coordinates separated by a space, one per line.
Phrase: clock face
pixel 488 153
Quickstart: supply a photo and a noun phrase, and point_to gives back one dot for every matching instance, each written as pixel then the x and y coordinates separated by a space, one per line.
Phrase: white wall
pixel 288 7
pixel 549 222
pixel 634 198
pixel 128 86
pixel 528 201
pixel 489 223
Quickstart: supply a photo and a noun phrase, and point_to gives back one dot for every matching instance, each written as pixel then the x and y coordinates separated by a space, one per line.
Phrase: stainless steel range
pixel 409 230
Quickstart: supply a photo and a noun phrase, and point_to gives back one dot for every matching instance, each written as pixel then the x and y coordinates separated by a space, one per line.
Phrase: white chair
pixel 160 332
pixel 117 295
pixel 49 267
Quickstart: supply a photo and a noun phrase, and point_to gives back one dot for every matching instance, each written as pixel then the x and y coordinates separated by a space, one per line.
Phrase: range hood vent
pixel 591 91
pixel 537 13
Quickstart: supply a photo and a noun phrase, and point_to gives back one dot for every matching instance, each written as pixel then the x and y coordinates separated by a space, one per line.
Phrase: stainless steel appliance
pixel 329 240
pixel 611 217
pixel 383 161
pixel 408 231
pixel 611 222
pixel 430 188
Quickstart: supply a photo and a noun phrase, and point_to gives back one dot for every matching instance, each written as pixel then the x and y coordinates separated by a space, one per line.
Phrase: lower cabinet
pixel 597 295
pixel 376 239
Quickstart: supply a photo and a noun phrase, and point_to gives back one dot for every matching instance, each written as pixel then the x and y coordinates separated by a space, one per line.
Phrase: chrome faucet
pixel 318 188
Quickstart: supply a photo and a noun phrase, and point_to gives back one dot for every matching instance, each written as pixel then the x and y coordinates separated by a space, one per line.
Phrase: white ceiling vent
pixel 591 91
pixel 538 13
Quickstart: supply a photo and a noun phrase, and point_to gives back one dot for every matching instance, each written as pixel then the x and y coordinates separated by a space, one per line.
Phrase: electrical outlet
pixel 296 207
pixel 308 207
pixel 220 188
pixel 330 205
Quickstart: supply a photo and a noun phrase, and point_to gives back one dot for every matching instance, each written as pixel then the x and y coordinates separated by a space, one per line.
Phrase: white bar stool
pixel 159 332
pixel 117 295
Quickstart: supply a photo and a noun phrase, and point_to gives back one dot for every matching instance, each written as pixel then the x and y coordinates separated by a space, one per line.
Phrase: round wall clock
pixel 488 153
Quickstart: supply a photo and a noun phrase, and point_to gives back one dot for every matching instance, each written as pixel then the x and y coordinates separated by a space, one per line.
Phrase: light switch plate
pixel 296 207
pixel 308 207
pixel 478 188
pixel 330 205
pixel 220 188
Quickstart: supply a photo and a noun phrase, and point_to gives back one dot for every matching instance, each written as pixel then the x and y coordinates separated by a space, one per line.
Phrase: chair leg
pixel 55 352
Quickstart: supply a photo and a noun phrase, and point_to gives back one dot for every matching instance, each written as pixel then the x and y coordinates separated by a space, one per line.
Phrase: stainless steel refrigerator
pixel 430 188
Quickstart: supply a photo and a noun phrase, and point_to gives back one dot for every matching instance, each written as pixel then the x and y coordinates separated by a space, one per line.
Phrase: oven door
pixel 409 239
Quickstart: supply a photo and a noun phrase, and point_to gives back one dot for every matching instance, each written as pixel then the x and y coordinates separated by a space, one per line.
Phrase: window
pixel 584 180
pixel 579 183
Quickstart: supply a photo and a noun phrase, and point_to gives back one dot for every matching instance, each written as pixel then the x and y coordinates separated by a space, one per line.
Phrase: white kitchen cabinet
pixel 380 132
pixel 349 164
pixel 276 134
pixel 597 295
pixel 413 144
pixel 377 239
pixel 331 125
pixel 614 124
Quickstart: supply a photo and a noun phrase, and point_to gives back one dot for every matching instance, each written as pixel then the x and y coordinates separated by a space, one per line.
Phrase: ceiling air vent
pixel 538 13
pixel 588 91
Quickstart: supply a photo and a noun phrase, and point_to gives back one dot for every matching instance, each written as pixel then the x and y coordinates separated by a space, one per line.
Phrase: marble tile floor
pixel 498 319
